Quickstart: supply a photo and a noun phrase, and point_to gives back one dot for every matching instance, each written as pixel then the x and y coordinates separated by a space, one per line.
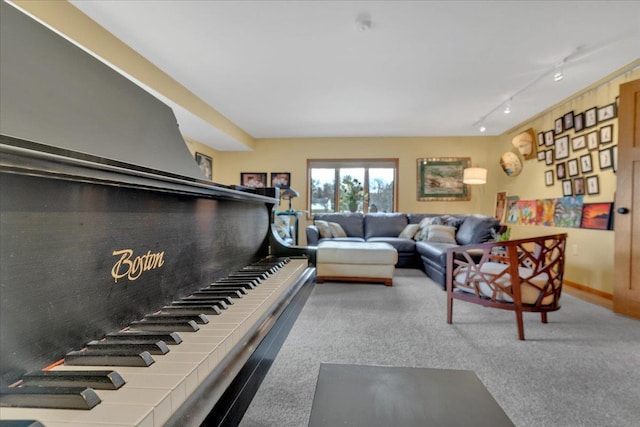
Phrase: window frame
pixel 366 163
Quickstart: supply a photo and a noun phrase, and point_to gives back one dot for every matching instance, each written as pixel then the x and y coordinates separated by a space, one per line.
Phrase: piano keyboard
pixel 152 394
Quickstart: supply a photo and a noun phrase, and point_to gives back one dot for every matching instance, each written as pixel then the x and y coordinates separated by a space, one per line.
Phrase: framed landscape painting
pixel 440 178
pixel 596 216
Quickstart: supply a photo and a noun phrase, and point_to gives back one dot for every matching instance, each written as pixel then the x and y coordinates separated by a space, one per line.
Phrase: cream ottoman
pixel 355 262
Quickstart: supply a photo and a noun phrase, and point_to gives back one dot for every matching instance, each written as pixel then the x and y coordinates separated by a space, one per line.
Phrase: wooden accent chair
pixel 519 275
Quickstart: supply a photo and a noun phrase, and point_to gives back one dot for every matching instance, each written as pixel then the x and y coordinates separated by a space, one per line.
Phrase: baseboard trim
pixel 588 289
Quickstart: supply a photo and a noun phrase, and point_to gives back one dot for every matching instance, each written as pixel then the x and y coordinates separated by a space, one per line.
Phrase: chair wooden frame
pixel 483 274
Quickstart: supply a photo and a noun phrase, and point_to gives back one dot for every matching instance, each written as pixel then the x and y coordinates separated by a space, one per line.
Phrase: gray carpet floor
pixel 580 369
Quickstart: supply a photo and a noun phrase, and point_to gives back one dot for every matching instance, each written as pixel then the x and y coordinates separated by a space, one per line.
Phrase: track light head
pixel 507 108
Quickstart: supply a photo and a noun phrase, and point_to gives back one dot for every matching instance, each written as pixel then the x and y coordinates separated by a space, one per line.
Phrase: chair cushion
pixel 488 270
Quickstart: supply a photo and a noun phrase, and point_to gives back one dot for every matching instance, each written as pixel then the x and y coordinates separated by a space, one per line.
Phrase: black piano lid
pixel 91 165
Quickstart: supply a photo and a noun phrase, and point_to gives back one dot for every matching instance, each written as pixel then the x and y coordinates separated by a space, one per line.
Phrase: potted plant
pixel 351 193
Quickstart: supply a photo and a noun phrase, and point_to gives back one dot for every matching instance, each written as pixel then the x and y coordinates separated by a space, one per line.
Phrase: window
pixel 352 185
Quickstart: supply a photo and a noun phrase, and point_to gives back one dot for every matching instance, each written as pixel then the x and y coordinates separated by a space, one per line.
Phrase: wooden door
pixel 626 285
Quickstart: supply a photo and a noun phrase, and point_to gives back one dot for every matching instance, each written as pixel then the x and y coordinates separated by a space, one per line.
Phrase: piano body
pixel 105 220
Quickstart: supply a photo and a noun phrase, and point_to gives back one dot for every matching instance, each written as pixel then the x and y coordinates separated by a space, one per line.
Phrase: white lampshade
pixel 474 176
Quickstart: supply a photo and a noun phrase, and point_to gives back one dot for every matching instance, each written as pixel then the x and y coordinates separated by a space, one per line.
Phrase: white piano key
pixel 164 386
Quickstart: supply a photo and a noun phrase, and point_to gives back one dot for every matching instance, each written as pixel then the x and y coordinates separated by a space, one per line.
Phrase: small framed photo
pixel 567 188
pixel 593 185
pixel 540 139
pixel 561 170
pixel 548 178
pixel 206 164
pixel 578 143
pixel 578 122
pixel 548 157
pixel 585 163
pixel 568 120
pixel 590 118
pixel 562 148
pixel 542 154
pixel 281 179
pixel 614 157
pixel 253 179
pixel 578 186
pixel 607 112
pixel 606 134
pixel 572 166
pixel 593 140
pixel 548 138
pixel 557 128
pixel 605 159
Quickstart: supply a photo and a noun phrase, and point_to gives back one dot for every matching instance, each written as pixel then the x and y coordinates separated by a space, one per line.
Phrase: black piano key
pixel 49 397
pixel 208 299
pixel 20 423
pixel 218 292
pixel 158 347
pixel 240 289
pixel 198 318
pixel 193 309
pixel 165 325
pixel 170 338
pixel 249 275
pixel 108 358
pixel 99 380
pixel 200 303
pixel 248 284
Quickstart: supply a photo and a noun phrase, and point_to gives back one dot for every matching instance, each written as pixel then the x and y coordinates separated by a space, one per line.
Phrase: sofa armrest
pixel 313 235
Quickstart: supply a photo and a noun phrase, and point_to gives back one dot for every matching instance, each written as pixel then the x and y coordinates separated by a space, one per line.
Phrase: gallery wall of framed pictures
pixel 578 149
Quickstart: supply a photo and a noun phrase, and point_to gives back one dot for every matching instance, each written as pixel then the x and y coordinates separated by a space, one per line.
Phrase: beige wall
pixel 590 252
pixel 290 155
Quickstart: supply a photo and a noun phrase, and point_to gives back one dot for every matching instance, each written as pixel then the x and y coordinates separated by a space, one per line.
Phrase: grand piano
pixel 133 292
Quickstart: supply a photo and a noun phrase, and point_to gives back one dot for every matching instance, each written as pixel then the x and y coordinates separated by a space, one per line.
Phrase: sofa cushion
pixel 409 231
pixel 476 229
pixel 342 239
pixel 436 252
pixel 441 234
pixel 400 244
pixel 384 224
pixel 352 223
pixel 337 230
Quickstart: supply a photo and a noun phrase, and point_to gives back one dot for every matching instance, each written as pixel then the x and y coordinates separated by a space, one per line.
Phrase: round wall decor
pixel 511 163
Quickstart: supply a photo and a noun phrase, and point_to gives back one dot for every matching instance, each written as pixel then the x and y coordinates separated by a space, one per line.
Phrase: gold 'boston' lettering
pixel 132 268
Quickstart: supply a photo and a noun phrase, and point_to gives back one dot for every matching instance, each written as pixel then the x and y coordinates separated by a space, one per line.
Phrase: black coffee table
pixel 364 395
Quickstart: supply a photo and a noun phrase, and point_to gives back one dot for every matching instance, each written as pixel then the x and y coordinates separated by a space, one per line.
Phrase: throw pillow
pixel 442 234
pixel 409 231
pixel 323 229
pixel 337 230
pixel 421 234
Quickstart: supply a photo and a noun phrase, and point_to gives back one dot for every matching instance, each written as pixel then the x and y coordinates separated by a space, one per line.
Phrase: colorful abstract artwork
pixel 545 209
pixel 596 216
pixel 527 212
pixel 512 210
pixel 568 212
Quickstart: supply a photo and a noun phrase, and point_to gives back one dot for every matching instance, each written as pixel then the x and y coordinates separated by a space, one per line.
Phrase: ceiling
pixel 302 69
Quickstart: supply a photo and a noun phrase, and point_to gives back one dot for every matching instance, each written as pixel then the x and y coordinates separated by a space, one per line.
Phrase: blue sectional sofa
pixel 417 248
